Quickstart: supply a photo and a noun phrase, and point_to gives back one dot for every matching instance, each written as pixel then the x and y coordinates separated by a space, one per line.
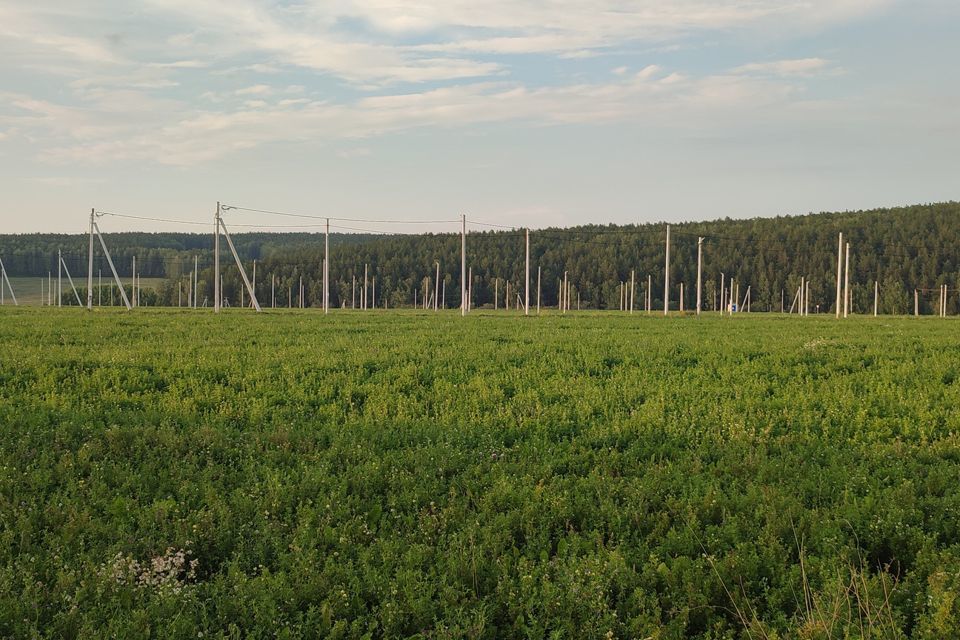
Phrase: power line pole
pixel 3 272
pixel 59 278
pixel 216 260
pixel 839 271
pixel 699 273
pixel 649 294
pixel 436 290
pixel 723 292
pixel 113 269
pixel 566 293
pixel 463 264
pixel 526 288
pixel 90 267
pixel 326 269
pixel 538 290
pixel 666 277
pixel 846 285
pixel 253 297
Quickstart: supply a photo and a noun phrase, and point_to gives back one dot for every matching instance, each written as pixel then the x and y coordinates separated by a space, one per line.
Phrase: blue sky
pixel 519 112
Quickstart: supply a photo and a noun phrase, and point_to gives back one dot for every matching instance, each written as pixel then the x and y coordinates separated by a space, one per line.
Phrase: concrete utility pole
pixel 253 297
pixel 436 290
pixel 876 296
pixel 326 269
pixel 133 283
pixel 723 292
pixel 666 277
pixel 216 261
pixel 846 284
pixel 803 295
pixel 538 290
pixel 566 293
pixel 4 278
pixel 90 267
pixel 699 273
pixel 649 294
pixel 463 264
pixel 526 288
pixel 839 271
pixel 196 268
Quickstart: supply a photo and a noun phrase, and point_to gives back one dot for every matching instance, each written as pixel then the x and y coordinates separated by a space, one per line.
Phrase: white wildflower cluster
pixel 168 573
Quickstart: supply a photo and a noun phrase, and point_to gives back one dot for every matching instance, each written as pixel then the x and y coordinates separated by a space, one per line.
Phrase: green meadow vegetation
pixel 392 474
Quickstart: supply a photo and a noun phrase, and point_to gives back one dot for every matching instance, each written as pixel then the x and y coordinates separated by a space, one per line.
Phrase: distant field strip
pixel 28 290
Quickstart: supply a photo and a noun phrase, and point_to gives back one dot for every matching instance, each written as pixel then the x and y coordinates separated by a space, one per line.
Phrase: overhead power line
pixel 229 207
pixel 168 220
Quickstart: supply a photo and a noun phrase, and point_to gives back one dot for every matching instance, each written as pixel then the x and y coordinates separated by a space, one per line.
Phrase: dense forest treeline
pixel 904 249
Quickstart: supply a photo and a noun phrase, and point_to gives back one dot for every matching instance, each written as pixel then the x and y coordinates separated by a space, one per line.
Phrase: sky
pixel 527 113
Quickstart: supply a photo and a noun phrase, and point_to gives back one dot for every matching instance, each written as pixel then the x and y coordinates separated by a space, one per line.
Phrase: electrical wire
pixel 124 215
pixel 228 207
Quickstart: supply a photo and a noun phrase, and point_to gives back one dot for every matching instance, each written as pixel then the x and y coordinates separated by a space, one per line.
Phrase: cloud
pixel 64 181
pixel 255 90
pixel 30 33
pixel 382 66
pixel 181 64
pixel 356 152
pixel 377 43
pixel 436 40
pixel 652 97
pixel 804 67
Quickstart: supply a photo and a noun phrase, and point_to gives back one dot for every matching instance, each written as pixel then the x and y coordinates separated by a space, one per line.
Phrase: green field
pixel 29 289
pixel 177 474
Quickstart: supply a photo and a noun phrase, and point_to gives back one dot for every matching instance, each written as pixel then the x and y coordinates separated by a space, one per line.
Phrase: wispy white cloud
pixel 804 67
pixel 396 42
pixel 651 96
pixel 257 89
pixel 41 37
pixel 65 182
pixel 133 92
pixel 451 33
pixel 181 64
pixel 355 152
